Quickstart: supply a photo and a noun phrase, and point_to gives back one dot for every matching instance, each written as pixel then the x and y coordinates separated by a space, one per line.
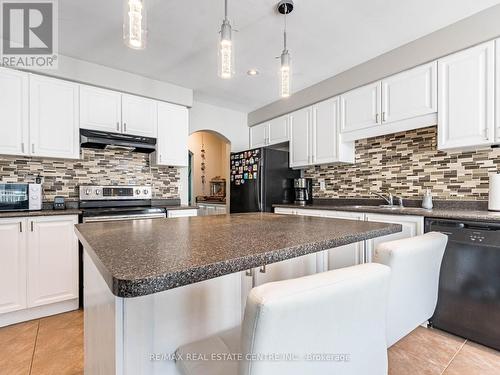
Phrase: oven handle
pixel 122 218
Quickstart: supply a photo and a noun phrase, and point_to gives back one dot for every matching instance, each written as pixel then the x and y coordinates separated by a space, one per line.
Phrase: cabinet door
pixel 466 98
pixel 278 130
pixel 288 269
pixel 325 132
pixel 300 139
pixel 173 132
pixel 100 109
pixel 410 94
pixel 14 96
pixel 54 118
pixel 12 264
pixel 139 116
pixel 347 255
pixel 412 226
pixel 258 135
pixel 360 108
pixel 52 260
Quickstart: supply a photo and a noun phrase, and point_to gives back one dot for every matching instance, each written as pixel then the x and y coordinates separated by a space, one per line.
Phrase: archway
pixel 208 180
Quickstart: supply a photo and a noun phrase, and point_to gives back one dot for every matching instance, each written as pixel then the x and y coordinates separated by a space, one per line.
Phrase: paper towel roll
pixel 494 202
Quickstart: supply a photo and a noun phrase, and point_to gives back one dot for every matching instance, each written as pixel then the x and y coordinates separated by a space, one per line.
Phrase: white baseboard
pixel 37 312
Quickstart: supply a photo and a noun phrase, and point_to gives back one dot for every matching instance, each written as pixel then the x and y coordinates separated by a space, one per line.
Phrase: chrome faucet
pixel 389 199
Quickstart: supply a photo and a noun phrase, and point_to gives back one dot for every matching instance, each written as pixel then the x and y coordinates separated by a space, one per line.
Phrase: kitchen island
pixel 153 285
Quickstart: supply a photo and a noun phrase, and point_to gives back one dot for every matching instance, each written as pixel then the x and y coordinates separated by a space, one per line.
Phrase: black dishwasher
pixel 469 283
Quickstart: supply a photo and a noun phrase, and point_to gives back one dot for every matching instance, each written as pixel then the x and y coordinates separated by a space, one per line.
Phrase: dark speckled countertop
pixel 142 257
pixel 453 212
pixel 70 211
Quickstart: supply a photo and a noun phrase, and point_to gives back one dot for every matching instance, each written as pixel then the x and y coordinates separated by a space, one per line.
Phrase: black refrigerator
pixel 260 178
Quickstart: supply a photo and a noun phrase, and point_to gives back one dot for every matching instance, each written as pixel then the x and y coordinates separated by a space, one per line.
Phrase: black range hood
pixel 104 140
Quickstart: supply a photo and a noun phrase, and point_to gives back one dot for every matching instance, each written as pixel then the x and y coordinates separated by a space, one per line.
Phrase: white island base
pixel 130 336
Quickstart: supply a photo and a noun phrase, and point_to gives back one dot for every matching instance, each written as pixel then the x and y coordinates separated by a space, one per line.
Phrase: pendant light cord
pixel 225 10
pixel 284 32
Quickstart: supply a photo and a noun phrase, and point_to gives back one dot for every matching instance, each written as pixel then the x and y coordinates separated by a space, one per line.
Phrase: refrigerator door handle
pixel 260 186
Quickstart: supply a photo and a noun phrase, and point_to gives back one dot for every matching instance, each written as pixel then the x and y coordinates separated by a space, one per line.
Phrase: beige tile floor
pixel 54 346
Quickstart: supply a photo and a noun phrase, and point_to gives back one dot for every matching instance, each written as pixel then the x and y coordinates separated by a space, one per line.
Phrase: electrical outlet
pixel 322 185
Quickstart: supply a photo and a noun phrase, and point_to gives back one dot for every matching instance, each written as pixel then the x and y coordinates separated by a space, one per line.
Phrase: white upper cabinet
pixel 14 125
pixel 139 116
pixel 52 260
pixel 258 135
pixel 410 94
pixel 278 130
pixel 467 98
pixel 270 133
pixel 100 109
pixel 315 137
pixel 325 135
pixel 173 131
pixel 300 139
pixel 12 265
pixel 361 107
pixel 54 118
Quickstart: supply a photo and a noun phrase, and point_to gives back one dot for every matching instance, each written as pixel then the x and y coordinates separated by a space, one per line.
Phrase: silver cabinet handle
pixel 31 226
pixel 263 269
pixel 376 118
pixel 20 227
pixel 22 147
pixel 383 116
pixel 486 134
pixel 118 126
pixel 32 148
pixel 125 127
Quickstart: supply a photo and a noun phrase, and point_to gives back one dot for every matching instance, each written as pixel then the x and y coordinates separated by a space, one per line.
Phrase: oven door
pixel 14 197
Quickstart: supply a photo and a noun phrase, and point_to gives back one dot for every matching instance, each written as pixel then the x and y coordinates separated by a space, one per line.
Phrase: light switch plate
pixel 322 185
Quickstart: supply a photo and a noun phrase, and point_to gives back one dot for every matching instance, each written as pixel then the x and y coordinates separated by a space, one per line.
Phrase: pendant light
pixel 226 48
pixel 134 24
pixel 285 7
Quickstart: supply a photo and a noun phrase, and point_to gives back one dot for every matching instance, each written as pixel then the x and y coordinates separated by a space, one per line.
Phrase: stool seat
pixel 197 357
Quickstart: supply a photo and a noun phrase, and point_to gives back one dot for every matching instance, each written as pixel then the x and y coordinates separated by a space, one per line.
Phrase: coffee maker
pixel 303 191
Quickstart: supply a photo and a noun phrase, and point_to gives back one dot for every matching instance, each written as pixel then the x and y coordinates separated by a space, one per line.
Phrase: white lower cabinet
pixel 52 260
pixel 412 226
pixel 347 255
pixel 38 267
pixel 208 209
pixel 182 213
pixel 12 265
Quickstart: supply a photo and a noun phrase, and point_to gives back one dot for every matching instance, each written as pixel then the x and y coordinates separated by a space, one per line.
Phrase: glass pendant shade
pixel 226 51
pixel 285 74
pixel 134 24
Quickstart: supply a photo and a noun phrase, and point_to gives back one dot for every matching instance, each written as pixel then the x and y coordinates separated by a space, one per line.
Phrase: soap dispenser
pixel 427 201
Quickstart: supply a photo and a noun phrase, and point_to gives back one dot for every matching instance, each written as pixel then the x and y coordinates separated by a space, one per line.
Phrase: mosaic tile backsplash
pixel 407 164
pixel 96 167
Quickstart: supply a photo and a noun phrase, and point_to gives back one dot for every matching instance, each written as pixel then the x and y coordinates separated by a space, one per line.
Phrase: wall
pixel 216 160
pixel 406 164
pixel 103 76
pixel 473 30
pixel 231 124
pixel 97 167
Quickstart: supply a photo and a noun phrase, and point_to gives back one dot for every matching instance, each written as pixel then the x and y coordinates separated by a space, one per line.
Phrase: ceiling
pixel 325 37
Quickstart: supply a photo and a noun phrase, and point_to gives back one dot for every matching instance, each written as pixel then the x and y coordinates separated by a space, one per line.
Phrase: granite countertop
pixel 442 213
pixel 142 257
pixel 48 212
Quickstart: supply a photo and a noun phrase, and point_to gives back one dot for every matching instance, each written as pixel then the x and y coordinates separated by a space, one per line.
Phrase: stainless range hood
pixel 104 140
